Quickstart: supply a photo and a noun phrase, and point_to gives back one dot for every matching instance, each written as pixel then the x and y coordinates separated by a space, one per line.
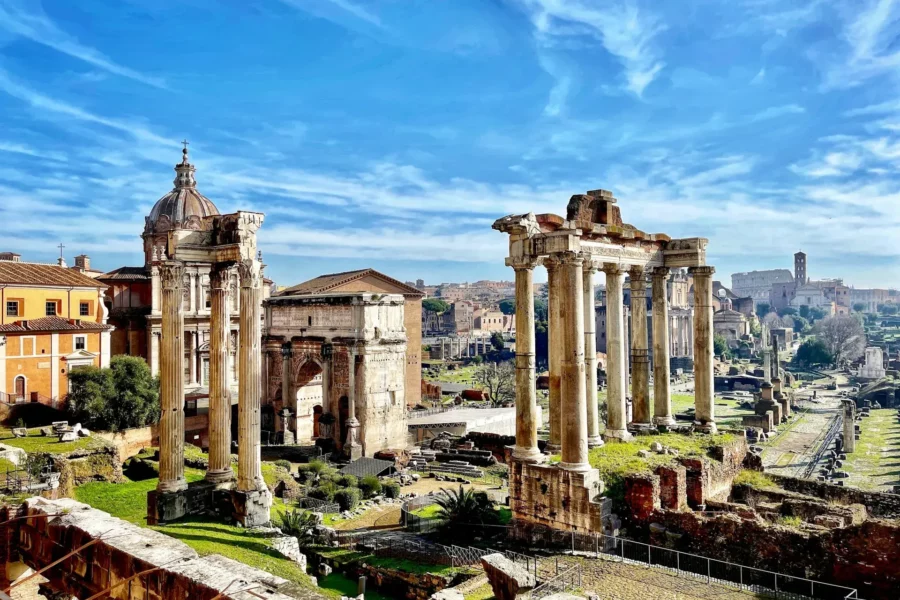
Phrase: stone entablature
pixel 320 336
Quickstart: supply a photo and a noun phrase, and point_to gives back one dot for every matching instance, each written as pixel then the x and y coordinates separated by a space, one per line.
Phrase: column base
pixel 641 426
pixel 527 455
pixel 251 509
pixel 617 435
pixel 220 479
pixel 172 486
pixel 595 441
pixel 353 451
pixel 575 467
pixel 554 449
pixel 708 427
pixel 665 421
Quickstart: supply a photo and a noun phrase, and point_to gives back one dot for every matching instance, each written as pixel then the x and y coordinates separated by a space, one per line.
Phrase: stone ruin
pixel 592 237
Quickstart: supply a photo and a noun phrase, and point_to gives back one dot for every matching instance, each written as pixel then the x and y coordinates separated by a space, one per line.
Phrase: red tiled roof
pixel 44 275
pixel 327 283
pixel 52 324
pixel 126 274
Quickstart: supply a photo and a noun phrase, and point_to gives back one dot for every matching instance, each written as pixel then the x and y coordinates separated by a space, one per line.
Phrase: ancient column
pixel 154 353
pixel 219 470
pixel 573 393
pixel 171 421
pixel 640 355
pixel 193 354
pixel 526 448
pixel 590 358
pixel 249 462
pixel 288 397
pixel 352 447
pixel 704 414
pixel 616 429
pixel 849 425
pixel 554 343
pixel 662 400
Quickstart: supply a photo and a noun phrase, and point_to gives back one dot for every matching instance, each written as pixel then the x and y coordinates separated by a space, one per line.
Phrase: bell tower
pixel 800 268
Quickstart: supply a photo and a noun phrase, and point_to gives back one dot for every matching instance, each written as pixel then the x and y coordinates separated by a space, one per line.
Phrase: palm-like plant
pixel 300 524
pixel 465 512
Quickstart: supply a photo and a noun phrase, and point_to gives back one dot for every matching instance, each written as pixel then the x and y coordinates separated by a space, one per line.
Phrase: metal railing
pixel 434 410
pixel 684 564
pixel 322 506
pixel 566 581
pixel 415 523
pixel 486 477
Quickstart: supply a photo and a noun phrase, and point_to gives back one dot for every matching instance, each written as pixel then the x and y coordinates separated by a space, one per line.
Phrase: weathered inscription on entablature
pixel 622 254
pixel 307 316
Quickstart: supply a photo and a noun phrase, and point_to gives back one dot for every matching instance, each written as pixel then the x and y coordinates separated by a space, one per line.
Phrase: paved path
pixel 613 580
pixel 791 451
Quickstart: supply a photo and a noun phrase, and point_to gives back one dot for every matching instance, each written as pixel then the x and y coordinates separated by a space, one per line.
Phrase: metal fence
pixel 415 523
pixel 566 581
pixel 322 506
pixel 683 564
pixel 486 477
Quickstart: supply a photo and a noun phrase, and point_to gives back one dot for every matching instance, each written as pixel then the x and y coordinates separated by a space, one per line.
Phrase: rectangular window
pixel 12 308
pixel 84 309
pixel 50 308
pixel 80 342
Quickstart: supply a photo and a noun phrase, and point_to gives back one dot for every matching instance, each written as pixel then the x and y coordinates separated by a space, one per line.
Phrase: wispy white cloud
pixel 832 164
pixel 17 148
pixel 33 24
pixel 773 112
pixel 318 7
pixel 870 31
pixel 759 77
pixel 625 31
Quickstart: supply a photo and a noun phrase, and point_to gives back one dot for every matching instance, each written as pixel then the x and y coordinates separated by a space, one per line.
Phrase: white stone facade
pixel 758 284
pixel 874 367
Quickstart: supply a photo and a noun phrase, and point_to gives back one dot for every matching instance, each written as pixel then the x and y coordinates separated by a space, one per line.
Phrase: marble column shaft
pixel 249 356
pixel 615 355
pixel 171 422
pixel 662 399
pixel 704 410
pixel 640 355
pixel 573 394
pixel 219 469
pixel 590 358
pixel 554 343
pixel 287 381
pixel 526 448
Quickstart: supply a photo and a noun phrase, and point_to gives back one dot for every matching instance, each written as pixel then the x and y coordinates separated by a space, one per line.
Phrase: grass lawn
pixel 128 501
pixel 614 461
pixel 35 442
pixel 432 511
pixel 875 464
pixel 341 585
pixel 457 375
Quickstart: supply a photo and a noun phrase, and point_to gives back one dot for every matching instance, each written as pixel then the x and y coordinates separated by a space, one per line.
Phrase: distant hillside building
pixel 758 284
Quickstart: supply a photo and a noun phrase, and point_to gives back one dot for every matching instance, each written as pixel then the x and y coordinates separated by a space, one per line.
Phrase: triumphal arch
pixel 590 238
pixel 227 244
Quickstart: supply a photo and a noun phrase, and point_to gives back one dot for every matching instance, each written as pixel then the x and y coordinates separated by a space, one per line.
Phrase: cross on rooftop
pixel 60 249
pixel 186 144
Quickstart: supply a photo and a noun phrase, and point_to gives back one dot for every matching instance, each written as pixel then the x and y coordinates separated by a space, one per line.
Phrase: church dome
pixel 184 206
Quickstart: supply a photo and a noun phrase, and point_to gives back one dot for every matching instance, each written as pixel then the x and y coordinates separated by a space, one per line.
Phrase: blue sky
pixel 392 133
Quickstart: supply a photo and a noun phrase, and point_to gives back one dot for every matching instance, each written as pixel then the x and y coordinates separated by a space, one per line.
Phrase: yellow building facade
pixel 52 320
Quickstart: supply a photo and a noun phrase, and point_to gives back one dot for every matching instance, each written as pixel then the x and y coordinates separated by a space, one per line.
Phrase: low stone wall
pixel 495 442
pixel 865 556
pixel 400 584
pixel 878 504
pixel 82 466
pixel 547 495
pixel 179 571
pixel 129 442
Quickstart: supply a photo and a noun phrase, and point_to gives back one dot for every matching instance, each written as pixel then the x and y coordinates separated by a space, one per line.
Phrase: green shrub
pixel 370 486
pixel 348 481
pixel 329 474
pixel 324 491
pixel 317 466
pixel 283 463
pixel 348 498
pixel 118 397
pixel 391 489
pixel 299 524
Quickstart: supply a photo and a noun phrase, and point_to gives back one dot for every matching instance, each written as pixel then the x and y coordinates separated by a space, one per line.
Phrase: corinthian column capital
pixel 219 278
pixel 704 271
pixel 171 275
pixel 249 272
pixel 613 269
pixel 660 272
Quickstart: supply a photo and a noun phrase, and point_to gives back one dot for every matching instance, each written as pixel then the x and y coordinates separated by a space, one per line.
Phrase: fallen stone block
pixel 324 570
pixel 19 432
pixel 447 594
pixel 68 436
pixel 508 579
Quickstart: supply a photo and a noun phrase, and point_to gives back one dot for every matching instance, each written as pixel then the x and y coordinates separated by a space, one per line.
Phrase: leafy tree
pixel 787 311
pixel 540 309
pixel 498 380
pixel 720 345
pixel 813 352
pixel 816 314
pixel 763 308
pixel 800 324
pixel 859 307
pixel 435 305
pixel 843 336
pixel 804 311
pixel 508 306
pixel 755 328
pixel 497 341
pixel 887 309
pixel 122 396
pixel 465 512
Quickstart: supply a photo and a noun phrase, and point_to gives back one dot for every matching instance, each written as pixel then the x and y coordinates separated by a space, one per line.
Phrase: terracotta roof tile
pixel 327 283
pixel 53 324
pixel 44 275
pixel 126 274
